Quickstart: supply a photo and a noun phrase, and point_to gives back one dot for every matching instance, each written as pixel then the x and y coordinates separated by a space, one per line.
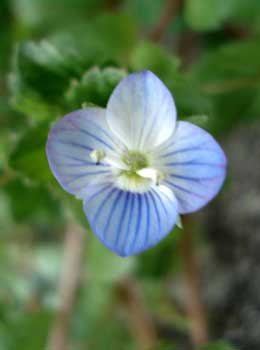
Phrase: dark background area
pixel 60 289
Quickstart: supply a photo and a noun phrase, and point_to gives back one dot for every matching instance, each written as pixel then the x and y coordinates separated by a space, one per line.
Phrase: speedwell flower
pixel 133 165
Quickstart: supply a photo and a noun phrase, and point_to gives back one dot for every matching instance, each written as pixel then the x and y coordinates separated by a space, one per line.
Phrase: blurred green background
pixel 60 289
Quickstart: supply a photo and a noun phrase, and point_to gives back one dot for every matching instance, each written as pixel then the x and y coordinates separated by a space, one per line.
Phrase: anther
pixel 155 175
pixel 97 155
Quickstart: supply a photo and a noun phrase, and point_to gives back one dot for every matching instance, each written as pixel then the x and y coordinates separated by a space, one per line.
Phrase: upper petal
pixel 129 223
pixel 70 143
pixel 194 165
pixel 141 111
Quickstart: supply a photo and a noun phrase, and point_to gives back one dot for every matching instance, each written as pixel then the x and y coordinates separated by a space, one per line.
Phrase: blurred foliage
pixel 145 12
pixel 230 76
pixel 205 15
pixel 58 55
pixel 219 345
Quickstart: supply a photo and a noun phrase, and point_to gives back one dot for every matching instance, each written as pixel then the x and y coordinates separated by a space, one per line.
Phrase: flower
pixel 135 167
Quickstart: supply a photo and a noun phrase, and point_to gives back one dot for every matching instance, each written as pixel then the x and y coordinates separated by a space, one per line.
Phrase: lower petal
pixel 194 164
pixel 129 223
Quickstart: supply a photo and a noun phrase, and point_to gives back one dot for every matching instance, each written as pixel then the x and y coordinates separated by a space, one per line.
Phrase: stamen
pixel 97 155
pixel 179 222
pixel 155 175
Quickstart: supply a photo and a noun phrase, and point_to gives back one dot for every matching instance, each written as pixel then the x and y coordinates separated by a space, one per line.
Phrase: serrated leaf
pixel 42 70
pixel 43 76
pixel 106 38
pixel 95 87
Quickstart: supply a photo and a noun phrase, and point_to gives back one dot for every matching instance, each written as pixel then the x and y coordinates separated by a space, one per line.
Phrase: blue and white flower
pixel 135 167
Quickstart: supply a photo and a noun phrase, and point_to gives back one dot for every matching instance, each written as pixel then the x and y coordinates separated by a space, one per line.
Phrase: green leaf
pixel 33 210
pixel 187 94
pixel 37 68
pixel 48 13
pixel 32 105
pixel 230 77
pixel 31 83
pixel 42 72
pixel 36 83
pixel 29 158
pixel 94 87
pixel 106 38
pixel 230 68
pixel 206 14
pixel 190 98
pixel 247 14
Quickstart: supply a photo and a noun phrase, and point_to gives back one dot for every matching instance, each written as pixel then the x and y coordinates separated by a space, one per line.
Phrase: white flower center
pixel 133 171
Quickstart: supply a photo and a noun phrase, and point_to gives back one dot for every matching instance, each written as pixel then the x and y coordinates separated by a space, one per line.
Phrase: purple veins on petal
pixel 135 168
pixel 145 221
pixel 73 138
pixel 195 166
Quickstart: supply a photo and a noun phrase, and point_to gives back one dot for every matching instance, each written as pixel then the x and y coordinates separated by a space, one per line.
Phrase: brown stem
pixel 236 31
pixel 140 323
pixel 169 12
pixel 70 276
pixel 191 273
pixel 111 5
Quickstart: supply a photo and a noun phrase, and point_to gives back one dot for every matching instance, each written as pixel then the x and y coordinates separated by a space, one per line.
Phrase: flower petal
pixel 195 165
pixel 70 143
pixel 141 111
pixel 129 223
